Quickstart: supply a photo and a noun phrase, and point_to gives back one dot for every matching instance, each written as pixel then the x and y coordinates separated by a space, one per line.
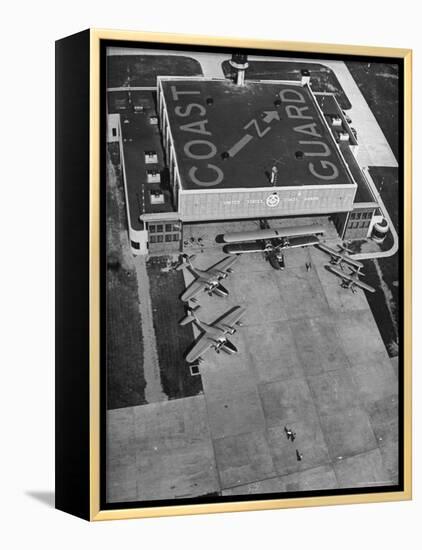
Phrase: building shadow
pixel 45 497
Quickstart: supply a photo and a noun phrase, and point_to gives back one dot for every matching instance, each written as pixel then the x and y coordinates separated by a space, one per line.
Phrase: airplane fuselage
pixel 211 279
pixel 213 331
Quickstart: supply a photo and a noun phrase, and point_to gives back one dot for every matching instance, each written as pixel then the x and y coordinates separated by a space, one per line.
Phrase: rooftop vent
pixel 151 157
pixel 157 197
pixel 306 77
pixel 153 176
pixel 343 136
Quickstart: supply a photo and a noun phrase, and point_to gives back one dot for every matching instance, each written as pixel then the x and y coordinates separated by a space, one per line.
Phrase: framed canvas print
pixel 233 274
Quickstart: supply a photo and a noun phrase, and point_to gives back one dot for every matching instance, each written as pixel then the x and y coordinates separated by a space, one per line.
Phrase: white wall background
pixel 27 271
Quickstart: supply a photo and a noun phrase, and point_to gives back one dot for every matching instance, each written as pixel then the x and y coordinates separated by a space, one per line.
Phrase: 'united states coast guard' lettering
pixel 211 175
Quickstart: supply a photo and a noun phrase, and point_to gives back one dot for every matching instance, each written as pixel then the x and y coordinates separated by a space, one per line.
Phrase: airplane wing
pixel 347 277
pixel 337 271
pixel 231 318
pixel 351 262
pixel 296 242
pixel 364 286
pixel 259 234
pixel 203 345
pixel 329 250
pixel 243 248
pixel 341 255
pixel 222 266
pixel 193 290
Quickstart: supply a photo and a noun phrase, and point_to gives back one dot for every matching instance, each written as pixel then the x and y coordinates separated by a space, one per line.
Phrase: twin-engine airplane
pixel 206 280
pixel 340 256
pixel 350 280
pixel 272 241
pixel 214 334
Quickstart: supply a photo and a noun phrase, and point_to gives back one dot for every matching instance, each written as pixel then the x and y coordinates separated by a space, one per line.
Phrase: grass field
pixel 142 70
pixel 386 180
pixel 378 83
pixel 323 79
pixel 172 339
pixel 382 275
pixel 125 379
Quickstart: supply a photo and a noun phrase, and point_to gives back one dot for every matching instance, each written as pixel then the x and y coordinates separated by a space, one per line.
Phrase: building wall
pixel 359 224
pixel 138 241
pixel 252 203
pixel 164 236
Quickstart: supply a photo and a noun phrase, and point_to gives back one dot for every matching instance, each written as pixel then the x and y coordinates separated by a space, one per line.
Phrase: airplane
pixel 341 255
pixel 273 252
pixel 207 280
pixel 272 241
pixel 351 280
pixel 214 334
pixel 281 233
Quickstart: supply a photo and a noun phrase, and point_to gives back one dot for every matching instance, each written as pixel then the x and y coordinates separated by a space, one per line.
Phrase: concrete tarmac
pixel 310 358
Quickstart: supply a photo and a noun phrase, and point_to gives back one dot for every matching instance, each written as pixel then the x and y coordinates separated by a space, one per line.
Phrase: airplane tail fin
pixel 185 261
pixel 190 316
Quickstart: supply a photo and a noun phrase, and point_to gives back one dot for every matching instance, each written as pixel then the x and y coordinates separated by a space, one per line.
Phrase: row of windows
pixel 355 225
pixel 360 215
pixel 159 228
pixel 164 238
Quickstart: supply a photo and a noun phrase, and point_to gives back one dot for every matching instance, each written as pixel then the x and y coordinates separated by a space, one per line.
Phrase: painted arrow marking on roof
pixel 271 115
pixel 260 132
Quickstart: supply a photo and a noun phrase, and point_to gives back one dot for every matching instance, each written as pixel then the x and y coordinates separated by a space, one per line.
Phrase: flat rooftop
pixel 140 136
pixel 244 131
pixel 330 107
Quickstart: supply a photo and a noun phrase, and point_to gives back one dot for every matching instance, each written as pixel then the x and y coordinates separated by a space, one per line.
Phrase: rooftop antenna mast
pixel 239 61
pixel 274 175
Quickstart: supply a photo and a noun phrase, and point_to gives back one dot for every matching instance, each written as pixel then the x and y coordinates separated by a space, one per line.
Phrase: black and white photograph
pixel 210 275
pixel 252 272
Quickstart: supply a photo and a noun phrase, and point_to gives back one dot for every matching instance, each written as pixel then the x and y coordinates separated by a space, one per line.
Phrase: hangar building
pixel 207 149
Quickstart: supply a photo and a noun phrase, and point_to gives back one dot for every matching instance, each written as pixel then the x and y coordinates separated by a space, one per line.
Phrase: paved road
pixel 153 389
